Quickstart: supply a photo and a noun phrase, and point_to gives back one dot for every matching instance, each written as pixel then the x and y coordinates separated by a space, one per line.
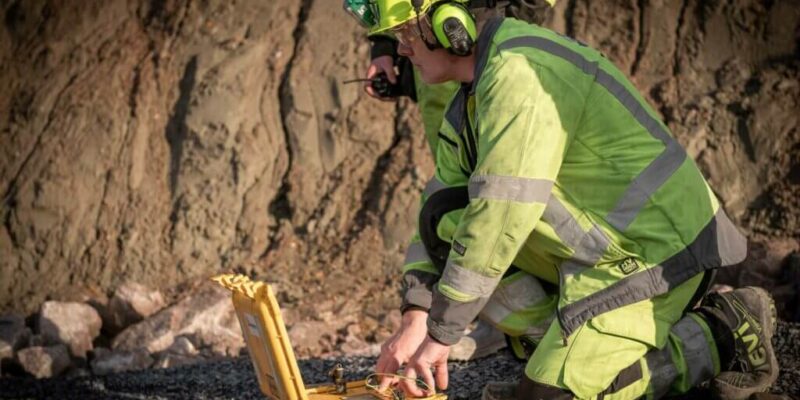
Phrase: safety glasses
pixel 416 29
pixel 364 11
pixel 406 33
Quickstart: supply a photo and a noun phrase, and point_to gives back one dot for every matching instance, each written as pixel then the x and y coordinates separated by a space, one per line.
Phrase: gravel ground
pixel 234 379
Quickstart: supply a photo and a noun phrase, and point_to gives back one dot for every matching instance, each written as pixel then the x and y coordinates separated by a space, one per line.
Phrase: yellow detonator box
pixel 272 355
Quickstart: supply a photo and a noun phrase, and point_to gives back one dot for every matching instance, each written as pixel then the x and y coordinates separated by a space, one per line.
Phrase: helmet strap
pixel 417 8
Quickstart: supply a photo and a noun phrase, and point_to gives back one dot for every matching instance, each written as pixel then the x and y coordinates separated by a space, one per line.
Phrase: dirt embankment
pixel 157 141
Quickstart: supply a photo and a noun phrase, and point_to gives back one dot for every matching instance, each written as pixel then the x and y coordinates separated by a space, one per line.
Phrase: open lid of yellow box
pixel 271 352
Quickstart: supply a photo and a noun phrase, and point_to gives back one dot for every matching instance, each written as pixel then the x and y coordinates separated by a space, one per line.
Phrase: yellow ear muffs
pixel 454 28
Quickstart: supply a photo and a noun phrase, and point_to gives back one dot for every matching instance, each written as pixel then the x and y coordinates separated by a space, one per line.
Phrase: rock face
pixel 137 137
pixel 157 141
pixel 131 303
pixel 206 315
pixel 74 324
pixel 44 362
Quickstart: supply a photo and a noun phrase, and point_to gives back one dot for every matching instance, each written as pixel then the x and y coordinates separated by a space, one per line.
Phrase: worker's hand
pixel 399 348
pixel 380 64
pixel 431 355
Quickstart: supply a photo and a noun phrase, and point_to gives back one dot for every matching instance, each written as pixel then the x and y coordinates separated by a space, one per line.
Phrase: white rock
pixel 74 324
pixel 44 362
pixel 130 304
pixel 206 315
pixel 312 337
pixel 181 352
pixel 182 346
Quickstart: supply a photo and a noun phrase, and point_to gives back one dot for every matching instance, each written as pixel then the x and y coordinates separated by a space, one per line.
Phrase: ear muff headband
pixel 454 28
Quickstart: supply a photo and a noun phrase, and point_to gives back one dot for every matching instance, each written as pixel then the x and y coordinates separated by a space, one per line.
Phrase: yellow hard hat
pixel 392 13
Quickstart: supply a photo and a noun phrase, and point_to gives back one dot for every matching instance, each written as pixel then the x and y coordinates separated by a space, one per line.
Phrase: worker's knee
pixel 531 390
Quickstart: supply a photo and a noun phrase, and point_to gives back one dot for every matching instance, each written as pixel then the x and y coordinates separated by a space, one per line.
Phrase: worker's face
pixel 433 65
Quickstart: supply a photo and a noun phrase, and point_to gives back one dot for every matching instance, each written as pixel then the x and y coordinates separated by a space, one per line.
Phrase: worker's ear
pixel 454 28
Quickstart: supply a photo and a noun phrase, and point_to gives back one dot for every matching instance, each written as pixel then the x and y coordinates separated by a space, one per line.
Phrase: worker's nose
pixel 404 50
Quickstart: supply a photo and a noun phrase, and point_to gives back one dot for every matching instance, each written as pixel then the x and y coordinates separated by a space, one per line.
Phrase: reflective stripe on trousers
pixel 695 363
pixel 521 297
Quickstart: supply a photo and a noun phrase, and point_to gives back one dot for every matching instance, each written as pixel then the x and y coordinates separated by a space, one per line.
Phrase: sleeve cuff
pixel 442 335
pixel 448 318
pixel 411 307
pixel 418 289
pixel 382 46
pixel 417 296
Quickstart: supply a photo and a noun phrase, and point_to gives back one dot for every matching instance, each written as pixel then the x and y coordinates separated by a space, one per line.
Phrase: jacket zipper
pixel 564 337
pixel 472 150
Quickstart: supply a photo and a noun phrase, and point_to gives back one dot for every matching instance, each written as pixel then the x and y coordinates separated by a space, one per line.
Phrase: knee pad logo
pixel 629 266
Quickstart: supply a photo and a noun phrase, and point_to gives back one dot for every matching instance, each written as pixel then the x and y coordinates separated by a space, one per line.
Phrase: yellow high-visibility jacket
pixel 571 176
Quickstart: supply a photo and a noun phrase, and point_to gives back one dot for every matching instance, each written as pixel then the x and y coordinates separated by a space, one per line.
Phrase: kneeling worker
pixel 485 339
pixel 570 176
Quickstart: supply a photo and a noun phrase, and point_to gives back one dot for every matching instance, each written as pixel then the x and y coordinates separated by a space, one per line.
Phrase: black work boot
pixel 500 391
pixel 742 322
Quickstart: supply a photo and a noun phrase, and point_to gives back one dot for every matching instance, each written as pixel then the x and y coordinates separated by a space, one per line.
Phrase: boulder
pixel 74 324
pixel 181 352
pixel 354 344
pixel 13 335
pixel 84 293
pixel 312 337
pixel 206 315
pixel 182 346
pixel 106 361
pixel 130 304
pixel 44 362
